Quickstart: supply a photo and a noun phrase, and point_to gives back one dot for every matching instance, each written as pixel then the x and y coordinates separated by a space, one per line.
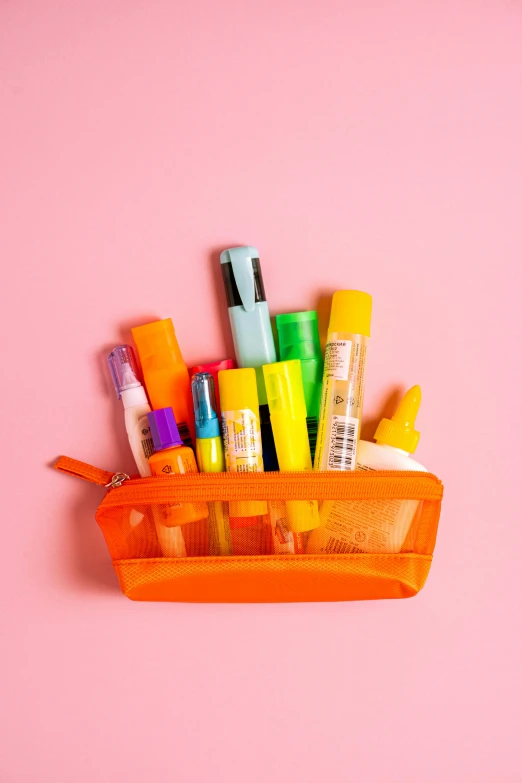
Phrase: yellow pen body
pixel 211 459
pixel 286 401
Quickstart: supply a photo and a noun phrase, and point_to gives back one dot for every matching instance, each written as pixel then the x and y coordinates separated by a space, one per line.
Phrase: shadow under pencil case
pixel 126 517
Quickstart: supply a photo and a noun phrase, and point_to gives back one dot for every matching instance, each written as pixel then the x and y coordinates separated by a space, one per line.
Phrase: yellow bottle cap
pixel 238 390
pixel 351 312
pixel 399 431
pixel 284 389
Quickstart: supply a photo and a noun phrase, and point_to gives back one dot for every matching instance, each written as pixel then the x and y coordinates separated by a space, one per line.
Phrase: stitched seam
pixel 271 558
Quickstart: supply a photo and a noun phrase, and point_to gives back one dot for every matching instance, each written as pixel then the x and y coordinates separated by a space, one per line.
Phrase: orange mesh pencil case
pixel 128 517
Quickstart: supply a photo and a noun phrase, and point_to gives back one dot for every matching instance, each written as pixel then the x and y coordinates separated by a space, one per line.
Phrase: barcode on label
pixel 184 434
pixel 343 444
pixel 148 447
pixel 336 547
pixel 312 424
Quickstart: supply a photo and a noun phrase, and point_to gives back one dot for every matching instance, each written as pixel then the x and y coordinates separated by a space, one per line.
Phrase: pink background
pixel 359 145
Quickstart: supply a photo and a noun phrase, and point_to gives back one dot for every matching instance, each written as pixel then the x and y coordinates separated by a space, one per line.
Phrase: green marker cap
pixel 299 339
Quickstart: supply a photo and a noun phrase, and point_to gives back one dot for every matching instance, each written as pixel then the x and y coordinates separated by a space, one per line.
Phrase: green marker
pixel 299 339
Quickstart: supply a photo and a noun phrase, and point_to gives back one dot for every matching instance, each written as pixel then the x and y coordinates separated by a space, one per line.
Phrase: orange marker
pixel 166 375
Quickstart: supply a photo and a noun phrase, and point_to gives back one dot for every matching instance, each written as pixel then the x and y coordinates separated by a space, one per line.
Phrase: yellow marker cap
pixel 351 312
pixel 286 400
pixel 238 390
pixel 284 389
pixel 399 431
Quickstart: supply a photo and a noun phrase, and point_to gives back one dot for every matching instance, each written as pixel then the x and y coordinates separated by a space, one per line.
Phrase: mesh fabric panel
pixel 135 534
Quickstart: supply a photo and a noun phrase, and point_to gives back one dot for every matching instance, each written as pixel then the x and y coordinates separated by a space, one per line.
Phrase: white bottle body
pixel 376 526
pixel 374 456
pixel 137 425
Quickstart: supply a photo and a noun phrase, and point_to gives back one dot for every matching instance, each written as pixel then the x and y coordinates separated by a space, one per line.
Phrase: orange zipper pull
pixel 103 478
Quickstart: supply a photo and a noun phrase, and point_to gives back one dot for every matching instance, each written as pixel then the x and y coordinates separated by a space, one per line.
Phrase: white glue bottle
pixel 124 371
pixel 377 526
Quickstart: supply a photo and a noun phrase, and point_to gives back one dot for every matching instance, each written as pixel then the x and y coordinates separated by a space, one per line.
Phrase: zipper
pixel 215 487
pixel 117 480
pixel 275 477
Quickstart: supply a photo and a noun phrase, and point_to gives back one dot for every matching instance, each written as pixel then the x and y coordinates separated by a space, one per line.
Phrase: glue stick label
pixel 242 441
pixel 341 402
pixel 337 359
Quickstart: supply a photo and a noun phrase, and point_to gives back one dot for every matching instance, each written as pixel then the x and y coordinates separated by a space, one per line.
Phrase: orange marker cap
pixel 165 373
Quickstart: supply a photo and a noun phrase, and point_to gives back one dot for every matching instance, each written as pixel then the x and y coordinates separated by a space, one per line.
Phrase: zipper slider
pixel 117 480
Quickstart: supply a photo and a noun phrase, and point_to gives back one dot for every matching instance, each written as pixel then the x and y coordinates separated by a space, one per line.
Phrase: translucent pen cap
pixel 205 408
pixel 298 335
pixel 123 368
pixel 213 368
pixel 155 339
pixel 284 389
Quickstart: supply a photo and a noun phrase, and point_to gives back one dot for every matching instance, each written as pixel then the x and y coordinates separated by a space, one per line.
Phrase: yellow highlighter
pixel 210 457
pixel 286 400
pixel 241 433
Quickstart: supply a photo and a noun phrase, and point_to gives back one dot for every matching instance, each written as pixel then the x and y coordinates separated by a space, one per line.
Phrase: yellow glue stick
pixel 343 381
pixel 286 400
pixel 241 432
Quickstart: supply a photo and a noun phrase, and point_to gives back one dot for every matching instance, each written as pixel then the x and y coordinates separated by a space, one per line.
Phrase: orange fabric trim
pixel 83 470
pixel 326 485
pixel 274 579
